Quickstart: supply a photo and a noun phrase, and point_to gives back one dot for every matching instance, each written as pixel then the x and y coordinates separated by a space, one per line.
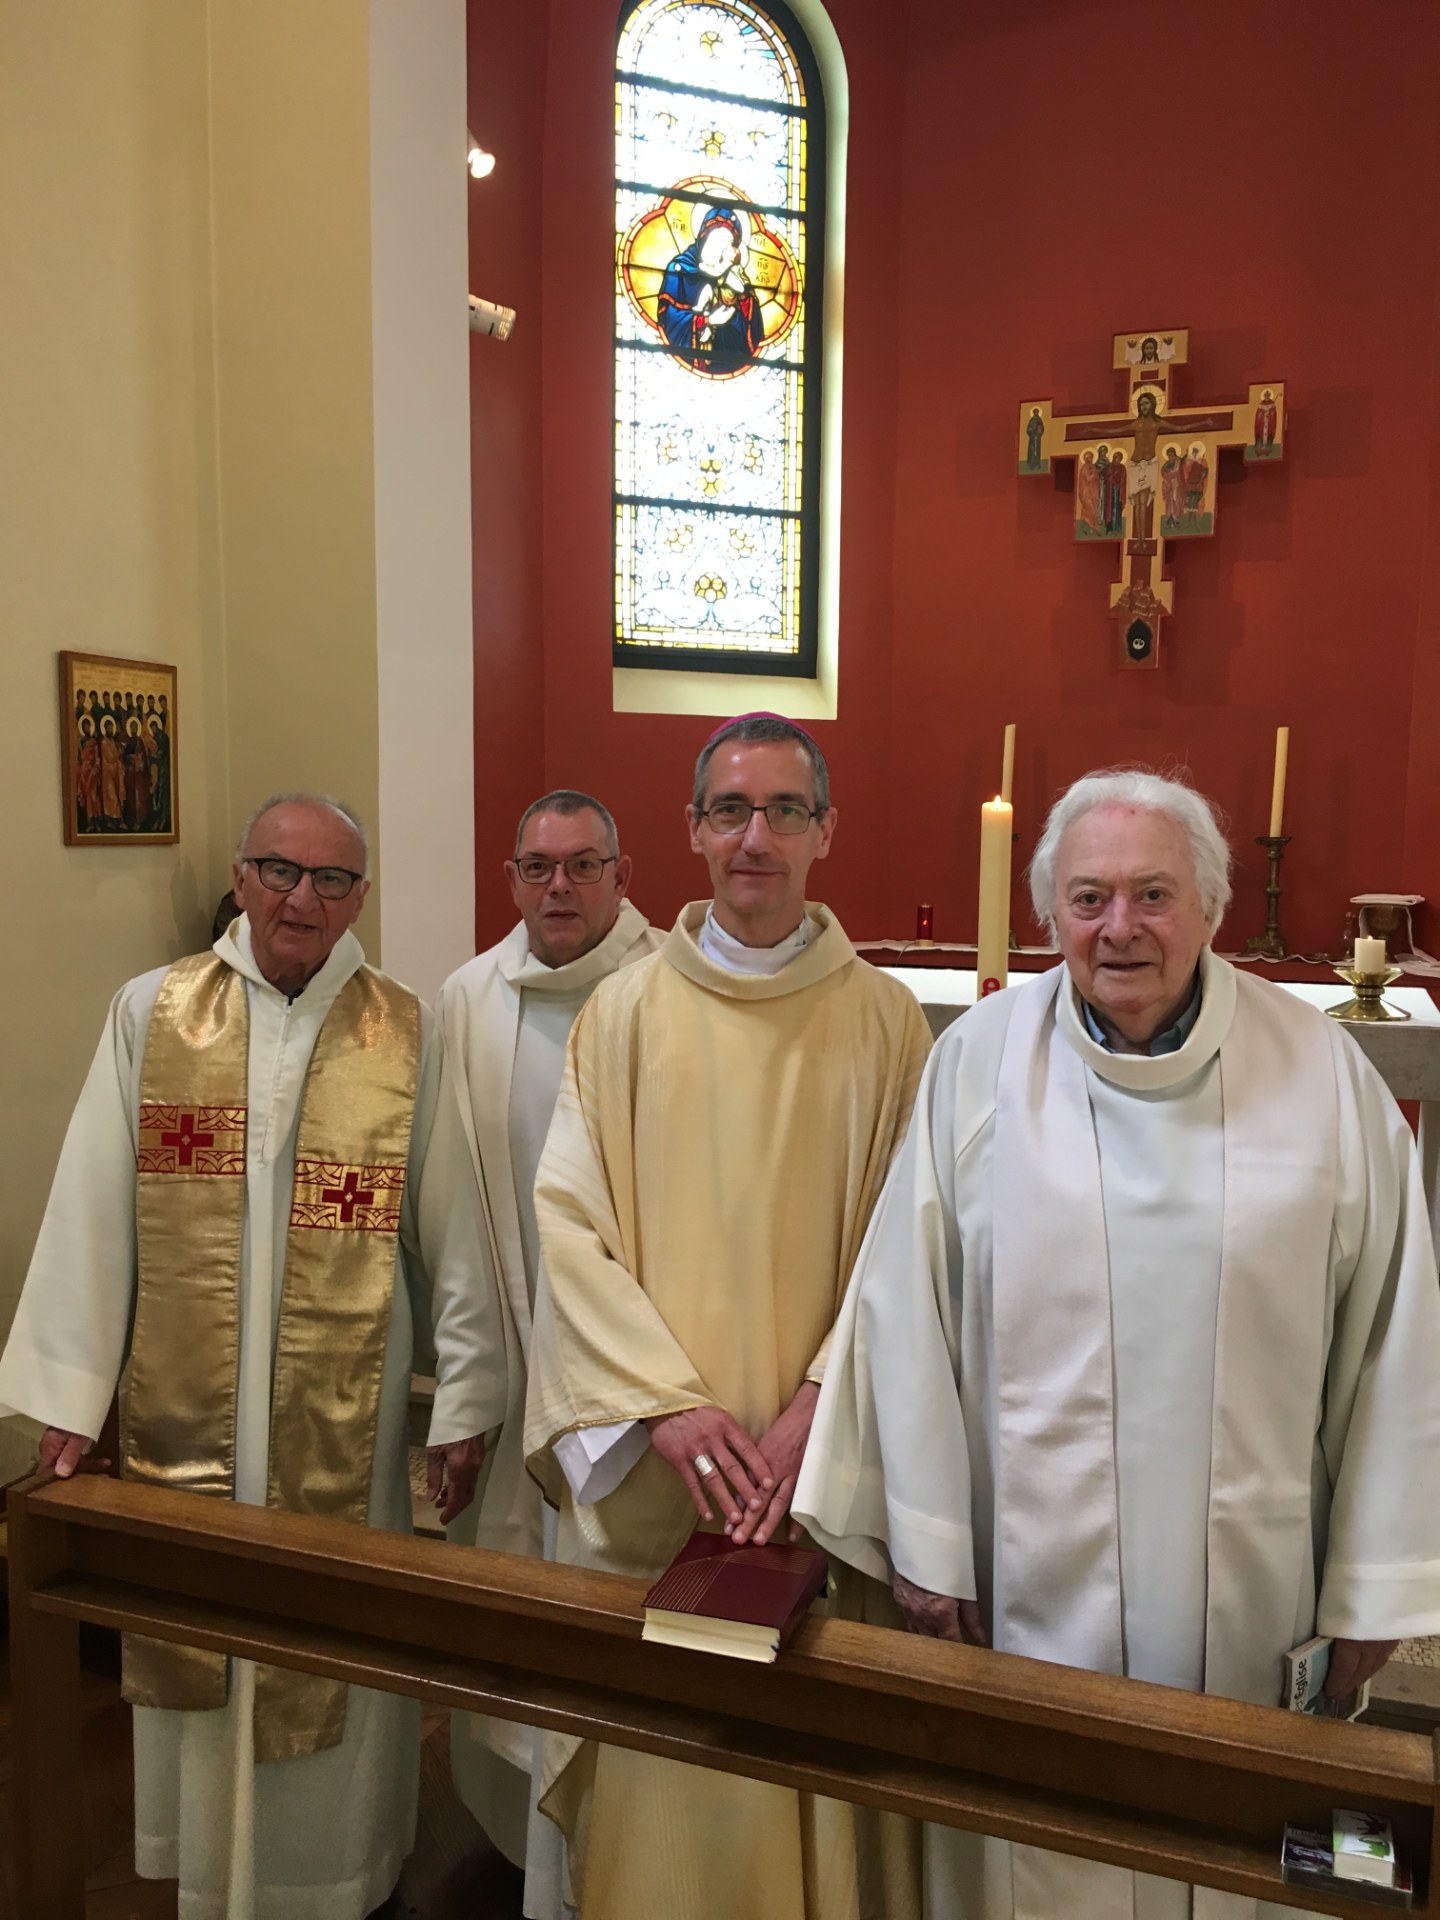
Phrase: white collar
pixel 1153 1073
pixel 726 951
pixel 236 948
pixel 521 968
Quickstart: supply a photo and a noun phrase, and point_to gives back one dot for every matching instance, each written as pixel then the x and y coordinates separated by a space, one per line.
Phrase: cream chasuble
pixel 1171 1421
pixel 717 1148
pixel 506 1017
pixel 321 1837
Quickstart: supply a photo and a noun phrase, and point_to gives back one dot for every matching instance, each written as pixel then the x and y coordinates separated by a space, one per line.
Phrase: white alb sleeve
pixel 596 1459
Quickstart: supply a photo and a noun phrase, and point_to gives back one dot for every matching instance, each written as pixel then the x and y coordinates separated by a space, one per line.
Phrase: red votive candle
pixel 925 922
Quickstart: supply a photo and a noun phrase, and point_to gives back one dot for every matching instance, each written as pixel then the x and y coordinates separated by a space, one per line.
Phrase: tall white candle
pixel 1007 768
pixel 992 959
pixel 1277 791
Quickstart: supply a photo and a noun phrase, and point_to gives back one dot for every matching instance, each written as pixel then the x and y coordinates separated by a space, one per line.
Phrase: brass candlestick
pixel 1369 1001
pixel 1271 943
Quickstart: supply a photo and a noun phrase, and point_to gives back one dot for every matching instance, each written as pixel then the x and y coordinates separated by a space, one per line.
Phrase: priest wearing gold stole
pixel 729 1108
pixel 233 1225
pixel 1140 1367
pixel 506 1016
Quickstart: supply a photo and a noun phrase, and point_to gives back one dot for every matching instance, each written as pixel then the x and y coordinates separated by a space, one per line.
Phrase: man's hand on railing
pixel 937 1615
pixel 69 1453
pixel 450 1475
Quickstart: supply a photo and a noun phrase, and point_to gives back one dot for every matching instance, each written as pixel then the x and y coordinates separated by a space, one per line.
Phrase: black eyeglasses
pixel 734 816
pixel 583 868
pixel 283 876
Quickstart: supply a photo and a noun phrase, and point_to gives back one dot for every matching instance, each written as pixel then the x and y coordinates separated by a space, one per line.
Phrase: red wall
pixel 506 76
pixel 1006 216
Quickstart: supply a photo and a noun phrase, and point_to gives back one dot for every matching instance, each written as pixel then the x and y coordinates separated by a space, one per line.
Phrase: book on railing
pixel 1307 1668
pixel 742 1601
pixel 1328 1861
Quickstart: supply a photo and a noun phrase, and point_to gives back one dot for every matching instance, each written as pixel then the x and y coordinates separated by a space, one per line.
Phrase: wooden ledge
pixel 1147 1777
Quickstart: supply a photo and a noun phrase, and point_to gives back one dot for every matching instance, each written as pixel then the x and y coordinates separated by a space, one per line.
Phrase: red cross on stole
pixel 196 1140
pixel 350 1196
pixel 330 1194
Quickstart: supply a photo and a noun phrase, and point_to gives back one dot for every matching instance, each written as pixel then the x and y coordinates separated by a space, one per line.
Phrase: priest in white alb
pixel 1140 1366
pixel 233 1225
pixel 729 1108
pixel 506 1016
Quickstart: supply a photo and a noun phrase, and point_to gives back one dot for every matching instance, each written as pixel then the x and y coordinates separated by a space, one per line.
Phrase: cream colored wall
pixel 106 523
pixel 189 475
pixel 291 214
pixel 423 582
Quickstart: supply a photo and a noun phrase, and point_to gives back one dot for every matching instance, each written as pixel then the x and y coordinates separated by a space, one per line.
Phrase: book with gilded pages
pixel 741 1601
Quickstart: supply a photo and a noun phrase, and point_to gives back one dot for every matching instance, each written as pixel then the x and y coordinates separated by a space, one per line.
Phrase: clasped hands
pixel 1351 1661
pixel 752 1482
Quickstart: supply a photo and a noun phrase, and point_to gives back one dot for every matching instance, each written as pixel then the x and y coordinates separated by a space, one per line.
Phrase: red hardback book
pixel 743 1601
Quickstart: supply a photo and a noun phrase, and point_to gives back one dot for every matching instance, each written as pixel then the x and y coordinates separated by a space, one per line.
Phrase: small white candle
pixel 1277 790
pixel 1369 955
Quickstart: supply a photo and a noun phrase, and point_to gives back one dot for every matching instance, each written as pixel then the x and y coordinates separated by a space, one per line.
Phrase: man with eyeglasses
pixel 233 1224
pixel 728 1112
pixel 506 1017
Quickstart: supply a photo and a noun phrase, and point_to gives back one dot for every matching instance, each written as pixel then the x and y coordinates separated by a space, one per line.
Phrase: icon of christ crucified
pixel 1119 473
pixel 1143 429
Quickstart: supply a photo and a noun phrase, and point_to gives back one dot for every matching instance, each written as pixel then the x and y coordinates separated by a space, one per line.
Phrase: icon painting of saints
pixel 1268 443
pixel 1195 481
pixel 1089 480
pixel 718 284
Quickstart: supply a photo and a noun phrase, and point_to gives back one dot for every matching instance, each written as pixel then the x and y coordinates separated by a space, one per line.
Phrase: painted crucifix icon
pixel 1147 476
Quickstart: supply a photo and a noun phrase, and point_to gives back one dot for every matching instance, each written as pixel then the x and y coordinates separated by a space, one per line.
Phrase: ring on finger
pixel 703 1465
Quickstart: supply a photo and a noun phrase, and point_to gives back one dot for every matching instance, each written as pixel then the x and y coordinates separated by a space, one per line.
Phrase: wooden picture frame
pixel 126 796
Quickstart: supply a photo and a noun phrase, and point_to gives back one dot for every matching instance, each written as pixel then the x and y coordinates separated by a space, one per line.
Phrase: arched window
pixel 719 171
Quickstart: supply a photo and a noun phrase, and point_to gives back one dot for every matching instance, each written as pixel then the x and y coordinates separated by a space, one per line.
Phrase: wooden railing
pixel 1146 1777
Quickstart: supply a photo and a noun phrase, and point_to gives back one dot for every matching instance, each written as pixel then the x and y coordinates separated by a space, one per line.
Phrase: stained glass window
pixel 719 154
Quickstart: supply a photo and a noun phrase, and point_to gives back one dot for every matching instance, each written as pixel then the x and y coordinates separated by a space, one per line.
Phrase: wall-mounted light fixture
pixel 478 160
pixel 488 317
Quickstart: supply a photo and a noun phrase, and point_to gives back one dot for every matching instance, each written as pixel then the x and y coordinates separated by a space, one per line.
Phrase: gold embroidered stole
pixel 179 1411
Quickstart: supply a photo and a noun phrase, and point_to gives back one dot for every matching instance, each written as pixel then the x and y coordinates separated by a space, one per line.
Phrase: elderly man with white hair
pixel 1139 1369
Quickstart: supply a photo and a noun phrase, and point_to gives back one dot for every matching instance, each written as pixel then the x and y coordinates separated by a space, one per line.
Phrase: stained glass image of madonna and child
pixel 708 309
pixel 122 762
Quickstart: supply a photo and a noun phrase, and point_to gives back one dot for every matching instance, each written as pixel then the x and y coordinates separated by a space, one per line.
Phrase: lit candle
pixel 992 959
pixel 1277 791
pixel 1007 771
pixel 1369 955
